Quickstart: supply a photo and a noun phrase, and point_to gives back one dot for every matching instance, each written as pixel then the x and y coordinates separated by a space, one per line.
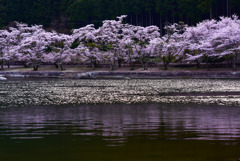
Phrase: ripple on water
pixel 63 92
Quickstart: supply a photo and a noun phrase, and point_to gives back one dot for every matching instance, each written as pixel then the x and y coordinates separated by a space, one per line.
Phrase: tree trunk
pixel 165 63
pixel 61 67
pixel 131 64
pixel 198 65
pixel 145 66
pixel 136 19
pixel 142 62
pixel 211 14
pixel 208 66
pixel 56 65
pixel 26 65
pixel 230 10
pixel 93 65
pixel 131 20
pixel 227 7
pixel 150 17
pixel 146 20
pixel 234 63
pixel 35 67
pixel 161 25
pixel 119 63
pixel 229 62
pixel 2 63
pixel 112 66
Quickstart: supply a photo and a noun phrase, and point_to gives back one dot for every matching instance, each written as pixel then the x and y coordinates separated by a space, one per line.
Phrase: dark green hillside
pixel 62 15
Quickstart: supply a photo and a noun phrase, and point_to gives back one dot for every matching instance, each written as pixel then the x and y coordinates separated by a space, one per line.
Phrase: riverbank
pixel 76 72
pixel 121 75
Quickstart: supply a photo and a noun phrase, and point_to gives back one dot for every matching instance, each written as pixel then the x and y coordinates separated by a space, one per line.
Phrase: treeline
pixel 63 15
pixel 117 43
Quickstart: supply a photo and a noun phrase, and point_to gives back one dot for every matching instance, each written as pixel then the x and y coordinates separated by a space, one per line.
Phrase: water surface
pixel 74 92
pixel 120 132
pixel 116 120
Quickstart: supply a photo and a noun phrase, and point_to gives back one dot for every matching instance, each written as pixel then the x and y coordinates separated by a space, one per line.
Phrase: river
pixel 44 120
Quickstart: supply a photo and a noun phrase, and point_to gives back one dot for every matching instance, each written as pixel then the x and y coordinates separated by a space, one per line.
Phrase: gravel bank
pixel 121 75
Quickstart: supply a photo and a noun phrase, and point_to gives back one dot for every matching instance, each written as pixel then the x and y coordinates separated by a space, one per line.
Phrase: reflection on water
pixel 47 120
pixel 116 123
pixel 120 132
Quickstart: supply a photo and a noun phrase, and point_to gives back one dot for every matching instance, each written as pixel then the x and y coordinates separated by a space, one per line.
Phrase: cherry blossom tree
pixel 2 45
pixel 198 40
pixel 9 39
pixel 226 41
pixel 209 41
pixel 108 38
pixel 141 40
pixel 170 46
pixel 135 44
pixel 126 43
pixel 213 40
pixel 88 47
pixel 60 52
pixel 32 48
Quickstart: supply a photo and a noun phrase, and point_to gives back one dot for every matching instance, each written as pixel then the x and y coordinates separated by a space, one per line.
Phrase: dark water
pixel 119 132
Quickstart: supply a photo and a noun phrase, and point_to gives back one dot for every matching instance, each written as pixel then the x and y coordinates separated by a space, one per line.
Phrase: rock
pixel 2 78
pixel 87 75
pixel 16 76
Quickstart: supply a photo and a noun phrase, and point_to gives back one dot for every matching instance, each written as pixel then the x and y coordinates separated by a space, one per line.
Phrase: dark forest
pixel 63 15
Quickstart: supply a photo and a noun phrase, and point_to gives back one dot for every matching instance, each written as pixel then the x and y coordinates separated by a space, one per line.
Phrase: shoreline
pixel 81 72
pixel 122 74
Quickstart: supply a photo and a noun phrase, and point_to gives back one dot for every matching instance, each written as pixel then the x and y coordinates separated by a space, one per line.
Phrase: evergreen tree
pixel 63 15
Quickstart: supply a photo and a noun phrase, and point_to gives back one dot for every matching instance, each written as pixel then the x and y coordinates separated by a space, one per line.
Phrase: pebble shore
pixel 121 75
